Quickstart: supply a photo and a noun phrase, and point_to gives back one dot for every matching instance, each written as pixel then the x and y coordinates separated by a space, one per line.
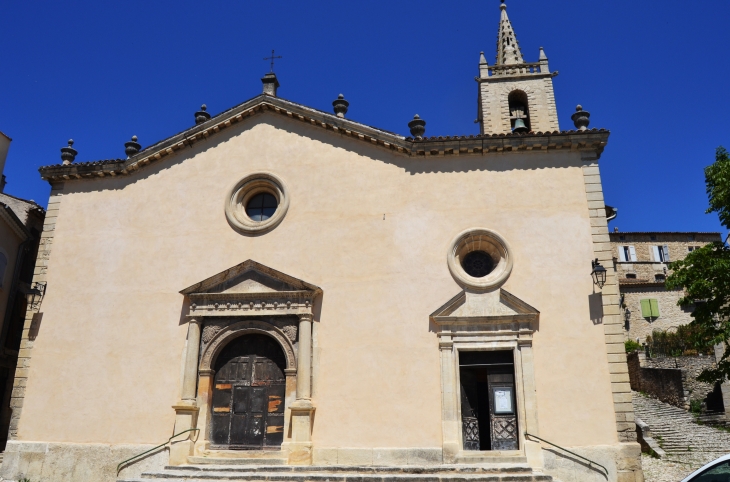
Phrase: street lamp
pixel 598 273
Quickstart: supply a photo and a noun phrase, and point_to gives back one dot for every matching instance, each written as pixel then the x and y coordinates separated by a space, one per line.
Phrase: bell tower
pixel 514 95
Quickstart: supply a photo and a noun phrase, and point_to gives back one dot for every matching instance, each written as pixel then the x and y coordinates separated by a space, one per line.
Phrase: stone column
pixel 186 411
pixel 304 358
pixel 190 377
pixel 300 448
pixel 450 424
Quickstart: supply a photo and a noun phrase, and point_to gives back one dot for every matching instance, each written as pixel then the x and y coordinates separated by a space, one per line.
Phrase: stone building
pixel 20 229
pixel 286 286
pixel 641 262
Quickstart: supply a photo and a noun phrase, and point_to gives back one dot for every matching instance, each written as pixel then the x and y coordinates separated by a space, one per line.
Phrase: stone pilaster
pixel 629 467
pixel 186 411
pixel 33 316
pixel 302 410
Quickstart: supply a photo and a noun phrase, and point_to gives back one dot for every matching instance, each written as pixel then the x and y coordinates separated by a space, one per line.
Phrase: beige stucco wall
pixel 369 226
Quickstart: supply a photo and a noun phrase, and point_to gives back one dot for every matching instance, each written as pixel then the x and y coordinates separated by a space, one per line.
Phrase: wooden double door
pixel 248 395
pixel 488 403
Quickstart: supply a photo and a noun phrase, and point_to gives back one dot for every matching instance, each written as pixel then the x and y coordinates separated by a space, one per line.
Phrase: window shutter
pixel 654 305
pixel 655 251
pixel 632 252
pixel 622 253
pixel 645 309
pixel 666 253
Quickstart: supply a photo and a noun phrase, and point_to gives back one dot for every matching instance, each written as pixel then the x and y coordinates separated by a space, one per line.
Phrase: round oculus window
pixel 257 203
pixel 477 264
pixel 479 259
pixel 261 206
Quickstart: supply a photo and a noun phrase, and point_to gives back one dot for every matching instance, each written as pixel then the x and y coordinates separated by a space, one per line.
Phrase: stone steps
pixel 288 473
pixel 677 431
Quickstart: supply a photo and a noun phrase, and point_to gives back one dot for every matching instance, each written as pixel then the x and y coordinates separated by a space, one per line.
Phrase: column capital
pixel 195 319
pixel 305 317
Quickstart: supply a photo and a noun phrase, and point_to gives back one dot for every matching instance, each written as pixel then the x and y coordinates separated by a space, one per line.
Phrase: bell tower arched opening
pixel 249 389
pixel 519 113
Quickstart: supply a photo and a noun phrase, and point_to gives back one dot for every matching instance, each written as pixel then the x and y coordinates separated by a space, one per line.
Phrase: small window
pixel 626 253
pixel 622 238
pixel 692 248
pixel 660 254
pixel 691 237
pixel 261 207
pixel 660 277
pixel 653 238
pixel 3 266
pixel 650 308
pixel 630 275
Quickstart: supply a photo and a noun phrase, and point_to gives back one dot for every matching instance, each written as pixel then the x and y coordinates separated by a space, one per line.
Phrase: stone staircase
pixel 288 473
pixel 677 431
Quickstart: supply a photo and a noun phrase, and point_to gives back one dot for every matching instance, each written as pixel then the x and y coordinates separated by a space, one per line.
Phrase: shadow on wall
pixel 595 305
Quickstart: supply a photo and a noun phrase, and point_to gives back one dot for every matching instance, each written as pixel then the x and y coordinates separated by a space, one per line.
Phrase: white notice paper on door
pixel 503 400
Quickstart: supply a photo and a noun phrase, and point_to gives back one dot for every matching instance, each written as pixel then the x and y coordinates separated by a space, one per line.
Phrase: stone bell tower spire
pixel 514 95
pixel 508 49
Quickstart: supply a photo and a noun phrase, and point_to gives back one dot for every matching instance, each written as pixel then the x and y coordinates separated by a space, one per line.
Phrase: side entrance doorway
pixel 248 395
pixel 488 404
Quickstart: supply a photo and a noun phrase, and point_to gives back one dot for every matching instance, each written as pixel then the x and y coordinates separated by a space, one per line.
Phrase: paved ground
pixel 689 446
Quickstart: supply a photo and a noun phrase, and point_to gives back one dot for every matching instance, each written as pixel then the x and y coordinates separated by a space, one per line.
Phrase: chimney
pixel 270 84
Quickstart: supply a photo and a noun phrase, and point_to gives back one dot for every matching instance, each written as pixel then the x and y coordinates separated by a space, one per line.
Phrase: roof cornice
pixel 593 140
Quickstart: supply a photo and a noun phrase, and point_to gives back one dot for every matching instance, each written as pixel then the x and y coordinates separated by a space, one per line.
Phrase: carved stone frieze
pixel 211 329
pixel 290 331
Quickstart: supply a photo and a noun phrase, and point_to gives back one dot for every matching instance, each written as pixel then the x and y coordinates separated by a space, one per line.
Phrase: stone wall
pixel 670 314
pixel 670 379
pixel 691 366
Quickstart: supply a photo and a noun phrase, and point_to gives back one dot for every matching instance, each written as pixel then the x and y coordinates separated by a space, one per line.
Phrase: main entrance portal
pixel 248 395
pixel 488 408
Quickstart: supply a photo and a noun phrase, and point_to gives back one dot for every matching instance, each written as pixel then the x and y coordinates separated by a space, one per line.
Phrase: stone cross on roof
pixel 508 49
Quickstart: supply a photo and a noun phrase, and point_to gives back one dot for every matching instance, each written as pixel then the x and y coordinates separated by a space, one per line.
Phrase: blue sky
pixel 654 73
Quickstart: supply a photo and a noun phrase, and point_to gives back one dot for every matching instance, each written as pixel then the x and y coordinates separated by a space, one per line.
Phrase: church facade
pixel 279 286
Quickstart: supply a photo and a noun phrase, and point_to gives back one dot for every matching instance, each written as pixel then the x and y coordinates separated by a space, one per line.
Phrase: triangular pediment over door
pixel 250 288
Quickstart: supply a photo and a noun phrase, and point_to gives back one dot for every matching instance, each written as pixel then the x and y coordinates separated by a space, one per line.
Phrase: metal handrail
pixel 155 448
pixel 571 453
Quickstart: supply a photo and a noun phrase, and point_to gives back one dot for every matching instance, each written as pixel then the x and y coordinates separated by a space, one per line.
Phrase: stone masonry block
pixel 596 205
pixel 621 388
pixel 591 171
pixel 617 358
pixel 595 196
pixel 620 378
pixel 354 456
pixel 616 348
pixel 618 368
pixel 614 338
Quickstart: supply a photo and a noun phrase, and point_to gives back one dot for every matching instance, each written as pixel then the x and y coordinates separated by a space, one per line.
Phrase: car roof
pixel 705 467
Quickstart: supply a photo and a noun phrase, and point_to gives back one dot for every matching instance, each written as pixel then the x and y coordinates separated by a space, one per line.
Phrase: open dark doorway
pixel 488 403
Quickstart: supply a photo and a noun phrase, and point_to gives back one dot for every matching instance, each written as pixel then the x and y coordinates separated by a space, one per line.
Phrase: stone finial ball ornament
pixel 417 126
pixel 68 154
pixel 132 147
pixel 581 118
pixel 202 115
pixel 340 106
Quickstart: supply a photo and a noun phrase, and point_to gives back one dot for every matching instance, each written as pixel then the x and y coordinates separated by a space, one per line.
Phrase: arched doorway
pixel 248 394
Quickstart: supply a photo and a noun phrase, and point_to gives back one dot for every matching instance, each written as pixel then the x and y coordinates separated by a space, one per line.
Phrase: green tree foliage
pixel 705 276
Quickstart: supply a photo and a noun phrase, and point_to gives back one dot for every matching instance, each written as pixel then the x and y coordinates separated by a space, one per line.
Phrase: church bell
pixel 520 126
